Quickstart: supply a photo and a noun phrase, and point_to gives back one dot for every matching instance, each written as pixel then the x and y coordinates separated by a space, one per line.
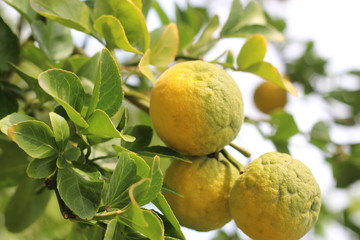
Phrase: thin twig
pixel 103 157
pixel 233 161
pixel 241 150
pixel 109 214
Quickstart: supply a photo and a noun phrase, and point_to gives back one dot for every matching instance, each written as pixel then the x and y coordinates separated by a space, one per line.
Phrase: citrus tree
pixel 91 136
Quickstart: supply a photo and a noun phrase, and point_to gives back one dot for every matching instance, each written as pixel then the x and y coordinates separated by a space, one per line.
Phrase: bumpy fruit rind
pixel 196 108
pixel 204 186
pixel 276 197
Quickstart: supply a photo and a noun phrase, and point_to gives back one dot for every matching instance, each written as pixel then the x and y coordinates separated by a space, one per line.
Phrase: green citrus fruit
pixel 204 186
pixel 276 197
pixel 196 108
pixel 268 96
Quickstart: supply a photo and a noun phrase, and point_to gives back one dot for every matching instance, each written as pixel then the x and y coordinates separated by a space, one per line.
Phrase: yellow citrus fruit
pixel 268 96
pixel 196 108
pixel 276 197
pixel 204 186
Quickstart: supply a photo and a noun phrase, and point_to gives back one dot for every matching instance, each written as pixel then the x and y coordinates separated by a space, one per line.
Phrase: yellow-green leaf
pixel 268 72
pixel 144 66
pixel 165 50
pixel 131 18
pixel 35 138
pixel 71 13
pixel 253 51
pixel 113 31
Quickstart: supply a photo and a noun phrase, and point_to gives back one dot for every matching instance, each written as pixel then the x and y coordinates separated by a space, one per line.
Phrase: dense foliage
pixel 75 131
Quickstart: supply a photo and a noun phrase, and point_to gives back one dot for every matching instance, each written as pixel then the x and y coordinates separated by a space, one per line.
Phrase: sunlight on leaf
pixel 144 66
pixel 253 51
pixel 35 138
pixel 113 31
pixel 164 51
pixel 71 13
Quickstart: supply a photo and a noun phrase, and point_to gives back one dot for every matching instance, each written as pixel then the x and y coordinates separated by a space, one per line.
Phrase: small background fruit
pixel 196 108
pixel 205 186
pixel 268 96
pixel 276 197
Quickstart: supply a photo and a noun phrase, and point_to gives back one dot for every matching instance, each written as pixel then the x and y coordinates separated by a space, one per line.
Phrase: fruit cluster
pixel 197 109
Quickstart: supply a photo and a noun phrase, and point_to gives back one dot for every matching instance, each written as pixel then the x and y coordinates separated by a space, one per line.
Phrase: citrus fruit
pixel 204 186
pixel 276 197
pixel 268 96
pixel 196 108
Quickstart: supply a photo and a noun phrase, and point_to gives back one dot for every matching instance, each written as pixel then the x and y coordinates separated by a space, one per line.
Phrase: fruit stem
pixel 241 150
pixel 138 99
pixel 239 166
pixel 109 214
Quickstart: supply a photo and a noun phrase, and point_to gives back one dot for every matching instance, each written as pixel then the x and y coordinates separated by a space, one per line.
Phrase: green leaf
pixel 54 39
pixel 253 51
pixel 151 226
pixel 12 119
pixel 31 53
pixel 253 14
pixel 113 31
pixel 165 49
pixel 113 231
pixel 23 7
pixel 267 31
pixel 124 119
pixel 202 45
pixel 13 162
pixel 144 66
pixel 80 188
pixel 144 221
pixel 143 135
pixel 284 126
pixel 161 203
pixel 162 152
pixel 65 87
pixel 139 190
pixel 230 58
pixel 249 21
pixel 117 231
pixel 107 94
pixel 349 97
pixel 268 72
pixel 74 62
pixel 41 168
pixel 29 72
pixel 90 69
pixel 71 154
pixel 101 126
pixel 61 130
pixel 71 13
pixel 122 178
pixel 130 17
pixel 9 46
pixel 26 205
pixel 35 138
pixel 234 18
pixel 345 169
pixel 319 135
pixel 156 182
pixel 161 13
pixel 142 168
pixel 8 103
